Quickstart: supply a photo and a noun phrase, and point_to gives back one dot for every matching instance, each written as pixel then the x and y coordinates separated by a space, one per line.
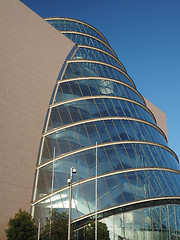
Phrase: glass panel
pixel 112 190
pixel 69 25
pixel 110 158
pixel 85 40
pixel 86 69
pixel 93 87
pixel 116 189
pixel 66 140
pixel 91 54
pixel 126 186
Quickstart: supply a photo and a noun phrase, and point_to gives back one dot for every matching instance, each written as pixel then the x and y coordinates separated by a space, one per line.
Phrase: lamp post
pixel 96 198
pixel 39 228
pixel 72 171
pixel 39 225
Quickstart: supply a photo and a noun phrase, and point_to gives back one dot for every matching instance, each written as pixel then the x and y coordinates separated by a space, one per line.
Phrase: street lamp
pixel 39 226
pixel 72 171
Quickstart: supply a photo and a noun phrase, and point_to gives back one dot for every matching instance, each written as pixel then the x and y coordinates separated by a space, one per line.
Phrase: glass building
pixel 96 101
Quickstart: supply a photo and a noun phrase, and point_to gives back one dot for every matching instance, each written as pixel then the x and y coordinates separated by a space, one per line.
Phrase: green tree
pixel 56 227
pixel 102 231
pixel 21 227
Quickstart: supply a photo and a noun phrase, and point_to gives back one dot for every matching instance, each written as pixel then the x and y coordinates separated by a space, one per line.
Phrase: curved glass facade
pixel 87 40
pixel 95 101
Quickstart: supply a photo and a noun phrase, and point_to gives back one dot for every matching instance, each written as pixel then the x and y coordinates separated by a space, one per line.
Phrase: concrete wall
pixel 31 55
pixel 159 115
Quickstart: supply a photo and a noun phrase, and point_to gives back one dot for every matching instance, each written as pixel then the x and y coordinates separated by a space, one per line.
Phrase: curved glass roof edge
pixel 78 21
pixel 108 79
pixel 107 53
pixel 130 206
pixel 104 145
pixel 104 97
pixel 105 119
pixel 106 64
pixel 90 36
pixel 80 182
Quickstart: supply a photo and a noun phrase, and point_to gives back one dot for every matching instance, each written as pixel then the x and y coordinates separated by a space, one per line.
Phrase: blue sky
pixel 145 34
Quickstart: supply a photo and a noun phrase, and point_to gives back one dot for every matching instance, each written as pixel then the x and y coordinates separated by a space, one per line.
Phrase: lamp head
pixel 74 170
